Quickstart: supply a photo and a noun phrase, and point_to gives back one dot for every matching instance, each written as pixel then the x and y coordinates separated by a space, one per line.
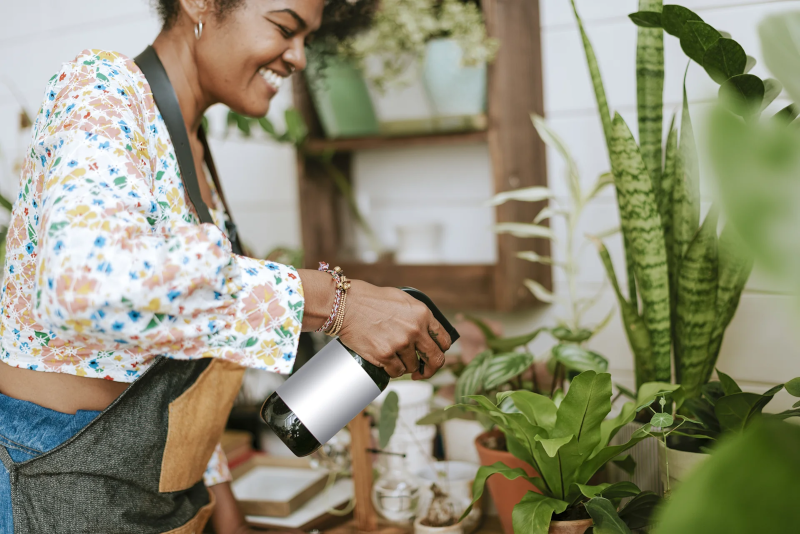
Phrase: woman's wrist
pixel 319 291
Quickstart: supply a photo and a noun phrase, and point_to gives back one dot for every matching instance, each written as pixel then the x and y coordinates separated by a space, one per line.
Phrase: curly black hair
pixel 340 18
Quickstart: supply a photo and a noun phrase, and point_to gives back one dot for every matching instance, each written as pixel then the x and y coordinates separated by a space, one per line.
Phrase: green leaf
pixel 638 513
pixel 603 180
pixel 686 190
pixel 538 409
pixel 618 490
pixel 552 445
pixel 724 59
pixel 641 226
pixel 626 463
pixel 437 417
pixel 473 375
pixel 533 257
pixel 551 139
pixel 606 519
pixel 661 420
pixel 675 17
pixel 650 94
pixel 524 230
pixel 498 468
pixel 600 458
pixel 532 515
pixel 697 38
pixel 576 358
pixel 646 19
pixel 772 90
pixel 672 166
pixel 487 331
pixel 729 385
pixel 743 94
pixel 781 50
pixel 735 411
pixel 510 343
pixel 528 194
pixel 695 311
pixel 539 291
pixel 625 391
pixel 793 387
pixel 388 418
pixel 562 333
pixel 504 367
pixel 267 126
pixel 712 392
pixel 296 129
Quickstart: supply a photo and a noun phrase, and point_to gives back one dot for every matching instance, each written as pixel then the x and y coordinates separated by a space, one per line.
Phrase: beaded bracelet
pixel 323 266
pixel 335 321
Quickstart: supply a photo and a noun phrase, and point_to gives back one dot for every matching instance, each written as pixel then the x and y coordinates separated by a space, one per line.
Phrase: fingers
pixel 430 352
pixel 408 356
pixel 439 335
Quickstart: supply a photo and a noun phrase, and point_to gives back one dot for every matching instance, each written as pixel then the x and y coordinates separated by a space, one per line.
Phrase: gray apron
pixel 138 466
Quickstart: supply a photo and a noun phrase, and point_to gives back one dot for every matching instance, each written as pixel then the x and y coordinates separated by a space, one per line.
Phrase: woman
pixel 125 323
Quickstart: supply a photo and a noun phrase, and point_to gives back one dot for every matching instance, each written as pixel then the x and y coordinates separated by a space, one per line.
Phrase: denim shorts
pixel 26 431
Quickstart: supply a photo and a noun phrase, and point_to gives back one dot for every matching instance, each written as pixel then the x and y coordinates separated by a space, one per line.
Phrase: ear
pixel 196 10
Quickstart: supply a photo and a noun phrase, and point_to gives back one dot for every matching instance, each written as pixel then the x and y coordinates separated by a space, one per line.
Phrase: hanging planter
pixel 341 98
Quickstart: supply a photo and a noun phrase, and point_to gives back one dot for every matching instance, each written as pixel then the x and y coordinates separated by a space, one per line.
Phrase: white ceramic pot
pixel 414 401
pixel 647 475
pixel 455 479
pixel 458 436
pixel 681 465
pixel 419 528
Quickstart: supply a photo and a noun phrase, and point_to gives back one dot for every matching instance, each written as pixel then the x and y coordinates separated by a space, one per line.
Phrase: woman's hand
pixel 385 325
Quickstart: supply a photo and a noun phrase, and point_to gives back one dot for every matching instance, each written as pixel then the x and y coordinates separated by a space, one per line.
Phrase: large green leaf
pixel 539 410
pixel 735 266
pixel 729 385
pixel 532 515
pixel 606 519
pixel 583 409
pixel 674 19
pixel 735 412
pixel 696 307
pixel 639 510
pixel 576 358
pixel 646 19
pixel 473 375
pixel 748 485
pixel 650 93
pixel 497 468
pixel 744 94
pixel 606 454
pixel 504 367
pixel 697 38
pixel 641 224
pixel 724 59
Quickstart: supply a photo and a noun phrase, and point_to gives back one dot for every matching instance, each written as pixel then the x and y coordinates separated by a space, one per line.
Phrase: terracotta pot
pixel 569 527
pixel 505 493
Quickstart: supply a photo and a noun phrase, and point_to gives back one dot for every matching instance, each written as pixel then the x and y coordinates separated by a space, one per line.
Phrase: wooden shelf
pixel 317 145
pixel 517 160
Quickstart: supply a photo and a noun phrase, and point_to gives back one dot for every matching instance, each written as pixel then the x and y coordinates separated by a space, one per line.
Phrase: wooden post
pixel 366 520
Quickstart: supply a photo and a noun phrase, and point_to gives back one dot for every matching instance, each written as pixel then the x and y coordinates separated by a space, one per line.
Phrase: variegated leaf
pixel 552 140
pixel 526 194
pixel 539 291
pixel 650 93
pixel 504 367
pixel 524 230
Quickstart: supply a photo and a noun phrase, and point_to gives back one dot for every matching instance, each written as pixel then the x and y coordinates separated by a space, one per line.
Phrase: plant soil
pixel 573 513
pixel 440 513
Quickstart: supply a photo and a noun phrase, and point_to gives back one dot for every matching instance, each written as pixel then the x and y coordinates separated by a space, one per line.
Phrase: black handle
pixel 437 314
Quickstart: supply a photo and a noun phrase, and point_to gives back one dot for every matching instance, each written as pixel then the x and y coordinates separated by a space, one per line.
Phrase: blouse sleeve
pixel 217 470
pixel 107 273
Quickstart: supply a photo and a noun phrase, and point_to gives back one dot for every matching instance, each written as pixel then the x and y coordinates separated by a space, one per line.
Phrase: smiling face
pixel 244 56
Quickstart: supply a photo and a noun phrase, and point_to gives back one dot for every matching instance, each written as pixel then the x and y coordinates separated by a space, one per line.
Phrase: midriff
pixel 58 391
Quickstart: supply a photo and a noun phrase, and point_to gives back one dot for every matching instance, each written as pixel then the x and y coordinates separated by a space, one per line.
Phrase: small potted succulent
pixel 566 443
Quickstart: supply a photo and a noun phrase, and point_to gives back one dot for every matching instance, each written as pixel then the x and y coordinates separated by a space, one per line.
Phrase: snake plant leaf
pixel 605 517
pixel 686 187
pixel 672 167
pixel 524 230
pixel 697 38
pixel 641 224
pixel 650 94
pixel 724 59
pixel 674 18
pixel 504 367
pixel 695 311
pixel 532 515
pixel 735 265
pixel 551 139
pixel 577 358
pixel 526 194
pixel 510 343
pixel 772 90
pixel 539 291
pixel 646 19
pixel 635 328
pixel 729 385
pixel 743 94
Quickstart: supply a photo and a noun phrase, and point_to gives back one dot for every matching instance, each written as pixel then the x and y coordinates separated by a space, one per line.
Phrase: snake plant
pixel 684 280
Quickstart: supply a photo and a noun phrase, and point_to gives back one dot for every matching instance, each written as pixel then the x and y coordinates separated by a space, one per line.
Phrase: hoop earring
pixel 198 30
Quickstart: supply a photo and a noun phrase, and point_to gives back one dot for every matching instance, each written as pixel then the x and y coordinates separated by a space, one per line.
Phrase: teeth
pixel 272 78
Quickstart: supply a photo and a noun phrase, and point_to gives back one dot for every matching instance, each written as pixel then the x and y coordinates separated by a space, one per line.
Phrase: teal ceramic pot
pixel 341 99
pixel 453 90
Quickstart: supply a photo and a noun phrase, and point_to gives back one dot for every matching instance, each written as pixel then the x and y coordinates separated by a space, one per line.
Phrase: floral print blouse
pixel 107 265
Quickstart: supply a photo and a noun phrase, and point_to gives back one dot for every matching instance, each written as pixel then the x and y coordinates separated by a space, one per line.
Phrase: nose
pixel 295 55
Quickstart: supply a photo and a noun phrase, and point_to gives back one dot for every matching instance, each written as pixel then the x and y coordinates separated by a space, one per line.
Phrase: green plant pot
pixel 341 99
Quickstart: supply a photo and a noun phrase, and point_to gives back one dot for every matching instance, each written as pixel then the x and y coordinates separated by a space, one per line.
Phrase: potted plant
pixel 448 38
pixel 566 444
pixel 722 410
